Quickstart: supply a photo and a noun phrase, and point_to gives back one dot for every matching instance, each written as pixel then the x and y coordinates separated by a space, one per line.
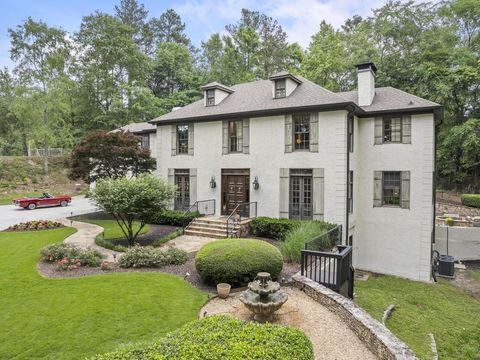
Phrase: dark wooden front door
pixel 235 190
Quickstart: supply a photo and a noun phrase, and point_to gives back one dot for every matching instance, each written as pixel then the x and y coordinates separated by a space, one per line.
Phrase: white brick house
pixel 362 159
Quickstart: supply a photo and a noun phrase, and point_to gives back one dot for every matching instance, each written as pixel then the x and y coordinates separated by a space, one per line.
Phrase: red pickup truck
pixel 43 201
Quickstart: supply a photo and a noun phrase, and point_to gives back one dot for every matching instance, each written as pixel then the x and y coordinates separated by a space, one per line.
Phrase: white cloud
pixel 304 16
pixel 299 18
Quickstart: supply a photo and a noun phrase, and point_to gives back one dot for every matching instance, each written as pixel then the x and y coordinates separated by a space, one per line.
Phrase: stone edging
pixel 377 337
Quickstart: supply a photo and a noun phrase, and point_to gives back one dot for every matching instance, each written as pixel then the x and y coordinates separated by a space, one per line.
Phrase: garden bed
pixel 51 271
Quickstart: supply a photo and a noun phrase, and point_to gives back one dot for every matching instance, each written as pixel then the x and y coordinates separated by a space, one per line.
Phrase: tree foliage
pixel 132 199
pixel 129 66
pixel 102 154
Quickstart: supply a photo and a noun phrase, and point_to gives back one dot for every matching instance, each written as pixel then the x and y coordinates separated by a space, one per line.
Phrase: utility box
pixel 446 266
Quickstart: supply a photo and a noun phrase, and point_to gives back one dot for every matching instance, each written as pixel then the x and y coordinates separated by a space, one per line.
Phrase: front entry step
pixel 215 227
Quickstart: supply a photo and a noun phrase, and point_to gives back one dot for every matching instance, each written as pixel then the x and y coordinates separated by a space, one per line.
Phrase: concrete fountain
pixel 263 297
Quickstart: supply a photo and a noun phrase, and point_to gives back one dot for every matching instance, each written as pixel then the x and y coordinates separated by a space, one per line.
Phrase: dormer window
pixel 284 84
pixel 214 93
pixel 280 88
pixel 210 94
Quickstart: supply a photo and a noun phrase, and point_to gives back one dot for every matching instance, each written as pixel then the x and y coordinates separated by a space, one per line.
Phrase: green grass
pixel 449 313
pixel 474 274
pixel 112 229
pixel 79 317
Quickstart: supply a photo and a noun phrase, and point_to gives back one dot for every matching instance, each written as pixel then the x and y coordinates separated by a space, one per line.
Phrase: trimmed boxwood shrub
pixel 472 200
pixel 237 261
pixel 272 228
pixel 172 217
pixel 222 337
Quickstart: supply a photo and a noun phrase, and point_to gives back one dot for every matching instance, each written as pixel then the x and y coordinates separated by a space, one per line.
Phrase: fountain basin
pixel 263 297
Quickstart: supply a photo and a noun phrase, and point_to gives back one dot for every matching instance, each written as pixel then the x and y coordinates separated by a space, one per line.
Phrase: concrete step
pixel 222 226
pixel 204 234
pixel 212 230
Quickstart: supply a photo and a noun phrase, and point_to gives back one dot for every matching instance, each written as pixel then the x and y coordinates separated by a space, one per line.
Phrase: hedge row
pixel 472 200
pixel 272 228
pixel 172 217
pixel 279 228
pixel 222 337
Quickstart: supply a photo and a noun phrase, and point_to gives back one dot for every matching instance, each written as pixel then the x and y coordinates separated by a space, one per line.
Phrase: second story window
pixel 301 131
pixel 235 136
pixel 210 97
pixel 182 139
pixel 392 129
pixel 280 88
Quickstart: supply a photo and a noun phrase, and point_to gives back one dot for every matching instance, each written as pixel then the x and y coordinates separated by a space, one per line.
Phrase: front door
pixel 182 196
pixel 301 194
pixel 235 190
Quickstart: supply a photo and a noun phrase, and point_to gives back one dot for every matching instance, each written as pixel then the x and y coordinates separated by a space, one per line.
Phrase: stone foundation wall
pixel 377 337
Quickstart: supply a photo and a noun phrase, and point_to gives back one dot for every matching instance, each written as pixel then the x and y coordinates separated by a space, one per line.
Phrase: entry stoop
pixel 216 227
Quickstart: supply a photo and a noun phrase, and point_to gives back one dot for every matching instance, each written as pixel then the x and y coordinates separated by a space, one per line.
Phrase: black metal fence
pixel 332 269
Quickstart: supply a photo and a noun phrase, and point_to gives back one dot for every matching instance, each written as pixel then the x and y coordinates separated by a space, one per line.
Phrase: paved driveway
pixel 10 215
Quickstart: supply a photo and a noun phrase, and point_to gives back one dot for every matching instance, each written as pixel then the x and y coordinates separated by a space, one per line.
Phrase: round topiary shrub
pixel 222 337
pixel 237 261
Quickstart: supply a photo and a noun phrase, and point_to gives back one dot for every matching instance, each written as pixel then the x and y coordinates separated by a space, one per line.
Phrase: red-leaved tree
pixel 103 154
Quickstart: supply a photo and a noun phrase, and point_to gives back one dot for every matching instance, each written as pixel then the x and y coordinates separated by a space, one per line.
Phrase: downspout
pixel 438 120
pixel 347 212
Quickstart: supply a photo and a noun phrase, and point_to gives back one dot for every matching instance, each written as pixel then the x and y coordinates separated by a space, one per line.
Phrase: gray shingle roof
pixel 256 97
pixel 140 127
pixel 388 99
pixel 217 85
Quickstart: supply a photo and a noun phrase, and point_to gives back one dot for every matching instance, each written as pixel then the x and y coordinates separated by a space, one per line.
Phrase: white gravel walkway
pixel 331 337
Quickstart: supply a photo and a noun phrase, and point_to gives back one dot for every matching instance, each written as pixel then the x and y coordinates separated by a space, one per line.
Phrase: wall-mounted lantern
pixel 255 183
pixel 213 184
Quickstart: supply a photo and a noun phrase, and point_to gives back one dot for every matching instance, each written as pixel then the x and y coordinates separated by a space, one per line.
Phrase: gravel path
pixel 331 337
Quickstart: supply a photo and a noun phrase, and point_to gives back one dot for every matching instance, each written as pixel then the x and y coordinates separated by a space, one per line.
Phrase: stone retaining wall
pixel 377 337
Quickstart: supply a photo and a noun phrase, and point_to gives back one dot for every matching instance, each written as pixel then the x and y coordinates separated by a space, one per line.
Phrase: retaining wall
pixel 376 336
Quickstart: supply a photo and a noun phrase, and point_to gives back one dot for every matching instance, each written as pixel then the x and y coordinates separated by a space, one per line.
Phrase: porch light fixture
pixel 213 184
pixel 255 183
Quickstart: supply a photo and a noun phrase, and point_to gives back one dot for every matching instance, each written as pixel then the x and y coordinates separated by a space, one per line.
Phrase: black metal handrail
pixel 242 211
pixel 331 269
pixel 202 207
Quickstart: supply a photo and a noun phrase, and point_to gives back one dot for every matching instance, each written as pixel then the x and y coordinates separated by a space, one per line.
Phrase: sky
pixel 299 18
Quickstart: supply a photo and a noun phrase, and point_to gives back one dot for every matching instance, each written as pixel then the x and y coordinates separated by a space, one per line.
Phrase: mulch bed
pixel 50 271
pixel 155 233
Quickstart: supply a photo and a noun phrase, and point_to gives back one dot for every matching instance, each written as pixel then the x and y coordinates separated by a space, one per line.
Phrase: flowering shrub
pixel 68 264
pixel 36 225
pixel 62 251
pixel 107 265
pixel 148 256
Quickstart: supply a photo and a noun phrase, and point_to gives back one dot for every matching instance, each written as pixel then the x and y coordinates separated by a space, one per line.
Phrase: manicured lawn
pixel 449 313
pixel 112 230
pixel 77 318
